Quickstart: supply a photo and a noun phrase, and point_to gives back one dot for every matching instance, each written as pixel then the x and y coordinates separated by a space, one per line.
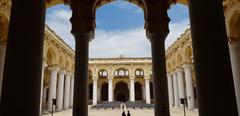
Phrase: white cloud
pixel 176 29
pixel 131 43
pixel 58 20
pixel 127 6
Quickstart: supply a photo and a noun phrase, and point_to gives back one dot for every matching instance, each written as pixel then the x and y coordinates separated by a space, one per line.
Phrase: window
pixel 103 73
pixel 121 72
pixel 139 73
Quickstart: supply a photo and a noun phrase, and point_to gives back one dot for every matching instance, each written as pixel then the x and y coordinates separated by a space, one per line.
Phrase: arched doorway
pixel 121 91
pixel 104 92
pixel 138 91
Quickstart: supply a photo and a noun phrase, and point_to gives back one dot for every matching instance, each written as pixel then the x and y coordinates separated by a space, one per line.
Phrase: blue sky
pixel 119 28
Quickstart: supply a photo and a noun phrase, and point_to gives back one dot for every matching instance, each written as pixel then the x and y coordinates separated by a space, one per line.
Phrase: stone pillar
pixel 83 31
pixel 67 90
pixel 144 92
pixel 170 90
pixel 132 89
pixel 147 89
pixel 60 89
pixel 211 58
pixel 23 59
pixel 110 89
pixel 181 88
pixel 52 87
pixel 95 91
pixel 175 88
pixel 2 59
pixel 44 96
pixel 235 61
pixel 80 97
pixel 189 86
pixel 157 31
pixel 71 92
pixel 44 65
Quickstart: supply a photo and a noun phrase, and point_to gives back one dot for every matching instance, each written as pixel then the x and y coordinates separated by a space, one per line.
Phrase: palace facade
pixel 116 79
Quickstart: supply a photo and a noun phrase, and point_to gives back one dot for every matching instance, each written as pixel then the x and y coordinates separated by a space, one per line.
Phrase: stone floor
pixel 136 112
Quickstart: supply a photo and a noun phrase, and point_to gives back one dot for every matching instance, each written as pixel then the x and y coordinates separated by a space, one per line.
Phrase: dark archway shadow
pixel 121 91
pixel 104 92
pixel 138 91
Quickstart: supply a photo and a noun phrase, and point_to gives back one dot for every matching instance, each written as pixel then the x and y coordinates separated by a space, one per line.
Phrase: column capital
pixel 179 70
pixel 187 65
pixel 110 77
pixel 147 77
pixel 44 64
pixel 94 78
pixel 69 74
pixel 235 43
pixel 83 27
pixel 53 68
pixel 173 72
pixel 157 28
pixel 131 77
pixel 62 71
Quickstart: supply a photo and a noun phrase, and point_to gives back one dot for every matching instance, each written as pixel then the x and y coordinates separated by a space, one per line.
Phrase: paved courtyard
pixel 136 112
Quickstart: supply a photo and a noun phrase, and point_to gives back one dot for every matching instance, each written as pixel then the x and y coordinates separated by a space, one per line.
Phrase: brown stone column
pixel 83 30
pixel 80 98
pixel 157 33
pixel 215 87
pixel 23 62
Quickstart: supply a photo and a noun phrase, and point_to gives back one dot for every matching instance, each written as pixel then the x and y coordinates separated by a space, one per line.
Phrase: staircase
pixel 116 105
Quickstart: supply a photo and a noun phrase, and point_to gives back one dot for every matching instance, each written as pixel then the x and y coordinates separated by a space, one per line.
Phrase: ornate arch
pixel 52 58
pixel 187 54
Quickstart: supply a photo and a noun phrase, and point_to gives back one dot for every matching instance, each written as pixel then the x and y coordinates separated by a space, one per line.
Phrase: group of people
pixel 123 107
pixel 124 114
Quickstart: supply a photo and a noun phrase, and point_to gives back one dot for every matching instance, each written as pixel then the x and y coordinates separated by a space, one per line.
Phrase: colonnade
pixel 60 88
pixel 131 92
pixel 177 88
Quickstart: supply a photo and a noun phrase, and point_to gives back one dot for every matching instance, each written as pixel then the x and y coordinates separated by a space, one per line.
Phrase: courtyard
pixel 135 112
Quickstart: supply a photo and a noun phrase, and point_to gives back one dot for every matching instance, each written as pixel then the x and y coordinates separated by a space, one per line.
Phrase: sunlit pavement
pixel 135 112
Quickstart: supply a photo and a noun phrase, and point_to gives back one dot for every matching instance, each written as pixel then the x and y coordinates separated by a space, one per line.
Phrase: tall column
pixel 2 59
pixel 175 89
pixel 71 92
pixel 110 89
pixel 235 61
pixel 23 60
pixel 52 87
pixel 67 90
pixel 83 31
pixel 44 98
pixel 60 89
pixel 170 90
pixel 180 83
pixel 44 65
pixel 132 89
pixel 95 91
pixel 211 57
pixel 147 89
pixel 189 86
pixel 157 31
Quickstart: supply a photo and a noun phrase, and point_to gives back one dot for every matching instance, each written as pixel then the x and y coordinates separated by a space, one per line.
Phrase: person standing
pixel 128 114
pixel 123 113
